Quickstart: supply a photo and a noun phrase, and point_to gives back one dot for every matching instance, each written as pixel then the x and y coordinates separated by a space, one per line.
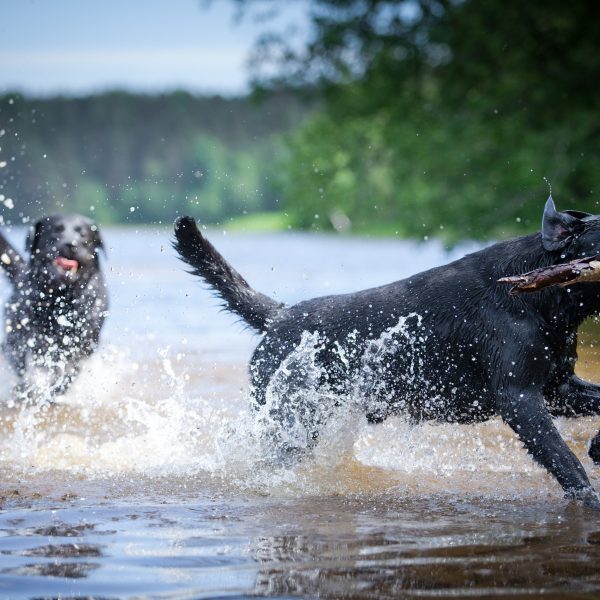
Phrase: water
pixel 146 480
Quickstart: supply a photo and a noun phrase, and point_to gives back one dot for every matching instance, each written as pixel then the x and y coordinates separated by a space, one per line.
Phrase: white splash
pixel 177 415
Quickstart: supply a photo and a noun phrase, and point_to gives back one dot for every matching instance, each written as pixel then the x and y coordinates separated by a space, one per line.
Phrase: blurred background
pixel 414 118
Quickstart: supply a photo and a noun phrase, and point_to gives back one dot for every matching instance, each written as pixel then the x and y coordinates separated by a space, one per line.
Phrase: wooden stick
pixel 580 270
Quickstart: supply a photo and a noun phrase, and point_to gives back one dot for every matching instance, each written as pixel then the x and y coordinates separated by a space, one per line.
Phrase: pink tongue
pixel 66 263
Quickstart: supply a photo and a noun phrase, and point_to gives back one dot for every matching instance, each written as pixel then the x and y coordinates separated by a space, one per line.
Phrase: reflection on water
pixel 146 480
pixel 355 547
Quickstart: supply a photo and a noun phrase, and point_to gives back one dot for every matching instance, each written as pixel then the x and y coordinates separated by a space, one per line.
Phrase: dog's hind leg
pixel 574 397
pixel 294 397
pixel 292 415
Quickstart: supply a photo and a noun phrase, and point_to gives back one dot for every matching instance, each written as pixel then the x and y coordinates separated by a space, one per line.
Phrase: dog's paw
pixel 587 497
pixel 594 451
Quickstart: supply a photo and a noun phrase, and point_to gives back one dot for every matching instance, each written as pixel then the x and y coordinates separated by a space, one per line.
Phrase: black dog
pixel 58 305
pixel 449 344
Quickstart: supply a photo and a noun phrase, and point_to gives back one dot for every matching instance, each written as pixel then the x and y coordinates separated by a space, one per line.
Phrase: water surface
pixel 145 480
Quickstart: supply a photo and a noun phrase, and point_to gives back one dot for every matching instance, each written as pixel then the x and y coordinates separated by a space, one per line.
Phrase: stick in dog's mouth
pixel 580 270
pixel 66 265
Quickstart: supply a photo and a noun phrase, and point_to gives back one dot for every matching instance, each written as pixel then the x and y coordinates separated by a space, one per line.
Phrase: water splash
pixel 120 416
pixel 179 415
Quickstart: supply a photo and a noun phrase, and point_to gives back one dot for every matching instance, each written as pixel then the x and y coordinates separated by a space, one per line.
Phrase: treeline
pixel 143 159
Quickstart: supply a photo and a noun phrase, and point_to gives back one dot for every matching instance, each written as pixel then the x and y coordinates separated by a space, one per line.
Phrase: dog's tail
pixel 10 260
pixel 206 262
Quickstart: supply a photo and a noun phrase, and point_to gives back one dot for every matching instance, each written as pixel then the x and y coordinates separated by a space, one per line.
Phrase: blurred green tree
pixel 441 116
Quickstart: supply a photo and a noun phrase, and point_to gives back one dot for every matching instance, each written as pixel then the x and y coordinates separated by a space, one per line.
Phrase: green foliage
pixel 446 178
pixel 143 159
pixel 259 222
pixel 445 117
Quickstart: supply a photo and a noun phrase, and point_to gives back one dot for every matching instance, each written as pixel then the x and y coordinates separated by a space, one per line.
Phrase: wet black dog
pixel 55 313
pixel 449 344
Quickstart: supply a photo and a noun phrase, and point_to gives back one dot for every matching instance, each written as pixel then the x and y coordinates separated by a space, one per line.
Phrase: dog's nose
pixel 68 248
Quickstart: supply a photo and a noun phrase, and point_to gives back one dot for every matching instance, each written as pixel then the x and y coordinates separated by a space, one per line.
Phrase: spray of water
pixel 181 415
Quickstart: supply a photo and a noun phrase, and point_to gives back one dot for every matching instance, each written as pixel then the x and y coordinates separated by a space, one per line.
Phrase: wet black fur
pixel 468 352
pixel 52 320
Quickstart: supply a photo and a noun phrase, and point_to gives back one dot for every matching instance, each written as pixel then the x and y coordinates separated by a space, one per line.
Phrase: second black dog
pixel 449 344
pixel 54 315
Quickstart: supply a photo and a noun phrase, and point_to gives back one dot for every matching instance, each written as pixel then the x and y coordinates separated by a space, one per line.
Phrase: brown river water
pixel 145 480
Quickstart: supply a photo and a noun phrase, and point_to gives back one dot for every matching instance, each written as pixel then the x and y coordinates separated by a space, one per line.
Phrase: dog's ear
pixel 558 228
pixel 97 238
pixel 33 237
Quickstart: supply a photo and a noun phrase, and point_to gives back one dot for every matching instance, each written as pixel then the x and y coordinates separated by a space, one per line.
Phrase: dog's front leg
pixel 573 397
pixel 524 410
pixel 594 449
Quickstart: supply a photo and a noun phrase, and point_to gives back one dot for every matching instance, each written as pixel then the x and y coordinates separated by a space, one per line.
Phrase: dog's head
pixel 65 247
pixel 570 233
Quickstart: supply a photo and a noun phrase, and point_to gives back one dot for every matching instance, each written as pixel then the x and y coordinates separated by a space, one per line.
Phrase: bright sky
pixel 82 46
